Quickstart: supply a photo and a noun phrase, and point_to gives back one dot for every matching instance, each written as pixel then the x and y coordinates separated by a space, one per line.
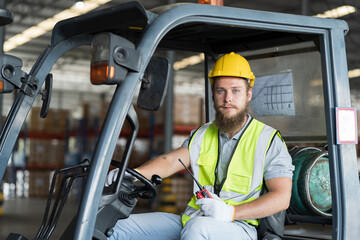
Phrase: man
pixel 231 157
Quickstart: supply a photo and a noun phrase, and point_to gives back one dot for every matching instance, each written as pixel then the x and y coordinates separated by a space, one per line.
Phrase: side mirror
pixel 154 85
pixel 6 17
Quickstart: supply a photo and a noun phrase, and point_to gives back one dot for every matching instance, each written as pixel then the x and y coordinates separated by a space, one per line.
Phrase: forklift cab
pixel 301 89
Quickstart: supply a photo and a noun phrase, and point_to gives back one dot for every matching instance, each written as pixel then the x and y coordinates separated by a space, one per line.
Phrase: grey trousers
pixel 167 226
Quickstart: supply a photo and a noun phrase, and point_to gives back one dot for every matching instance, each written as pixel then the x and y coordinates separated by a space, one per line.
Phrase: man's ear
pixel 249 94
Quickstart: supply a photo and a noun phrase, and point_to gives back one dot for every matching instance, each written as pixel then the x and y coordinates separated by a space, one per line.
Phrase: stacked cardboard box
pixel 39 183
pixel 188 110
pixel 36 122
pixel 55 121
pixel 41 180
pixel 145 117
pixel 46 153
pixel 61 120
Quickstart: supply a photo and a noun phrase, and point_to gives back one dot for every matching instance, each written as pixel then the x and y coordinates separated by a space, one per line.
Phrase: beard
pixel 230 124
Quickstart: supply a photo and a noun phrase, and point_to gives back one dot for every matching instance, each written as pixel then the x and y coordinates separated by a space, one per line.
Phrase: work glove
pixel 216 208
pixel 113 174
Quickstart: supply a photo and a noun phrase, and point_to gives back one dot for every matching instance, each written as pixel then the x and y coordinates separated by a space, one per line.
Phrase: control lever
pixel 46 95
pixel 203 193
pixel 156 180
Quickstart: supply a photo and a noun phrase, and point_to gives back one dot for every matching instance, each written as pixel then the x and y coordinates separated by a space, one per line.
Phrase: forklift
pixel 302 89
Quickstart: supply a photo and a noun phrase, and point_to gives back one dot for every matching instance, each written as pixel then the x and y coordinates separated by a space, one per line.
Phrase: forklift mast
pixel 133 35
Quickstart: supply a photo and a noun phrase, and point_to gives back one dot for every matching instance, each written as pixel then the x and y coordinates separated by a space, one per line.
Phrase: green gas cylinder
pixel 311 192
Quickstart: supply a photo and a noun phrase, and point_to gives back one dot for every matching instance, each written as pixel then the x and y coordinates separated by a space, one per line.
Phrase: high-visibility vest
pixel 244 179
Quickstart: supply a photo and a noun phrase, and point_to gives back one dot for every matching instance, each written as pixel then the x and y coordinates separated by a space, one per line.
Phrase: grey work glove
pixel 216 208
pixel 113 174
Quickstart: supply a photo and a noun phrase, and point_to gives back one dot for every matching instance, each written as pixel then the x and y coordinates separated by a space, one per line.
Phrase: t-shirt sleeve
pixel 187 141
pixel 278 162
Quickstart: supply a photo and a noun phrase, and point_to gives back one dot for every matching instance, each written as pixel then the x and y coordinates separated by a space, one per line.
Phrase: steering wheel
pixel 147 190
pixel 118 201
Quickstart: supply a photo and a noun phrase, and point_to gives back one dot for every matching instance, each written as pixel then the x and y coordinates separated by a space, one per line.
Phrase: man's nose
pixel 228 97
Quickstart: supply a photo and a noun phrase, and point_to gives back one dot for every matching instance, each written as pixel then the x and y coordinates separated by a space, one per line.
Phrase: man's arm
pixel 275 200
pixel 167 164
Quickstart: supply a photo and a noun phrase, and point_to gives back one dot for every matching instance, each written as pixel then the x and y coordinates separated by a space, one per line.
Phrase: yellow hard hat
pixel 232 65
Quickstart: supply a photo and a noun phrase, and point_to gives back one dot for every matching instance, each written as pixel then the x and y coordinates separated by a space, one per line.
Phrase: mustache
pixel 227 105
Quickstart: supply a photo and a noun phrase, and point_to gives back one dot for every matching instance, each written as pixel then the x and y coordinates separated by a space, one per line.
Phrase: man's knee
pixel 148 226
pixel 121 230
pixel 209 228
pixel 196 227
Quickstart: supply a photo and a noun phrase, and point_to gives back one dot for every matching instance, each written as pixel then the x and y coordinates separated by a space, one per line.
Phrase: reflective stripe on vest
pixel 244 178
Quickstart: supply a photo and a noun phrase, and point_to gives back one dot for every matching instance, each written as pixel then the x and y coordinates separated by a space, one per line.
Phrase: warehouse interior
pixel 69 132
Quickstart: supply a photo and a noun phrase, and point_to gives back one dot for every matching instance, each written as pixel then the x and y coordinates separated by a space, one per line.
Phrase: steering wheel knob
pixel 156 180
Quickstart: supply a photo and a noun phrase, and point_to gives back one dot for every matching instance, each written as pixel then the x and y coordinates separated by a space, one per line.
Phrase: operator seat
pixel 272 227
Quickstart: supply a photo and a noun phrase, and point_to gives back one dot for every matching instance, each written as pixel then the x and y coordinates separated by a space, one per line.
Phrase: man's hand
pixel 216 208
pixel 113 174
pixel 111 177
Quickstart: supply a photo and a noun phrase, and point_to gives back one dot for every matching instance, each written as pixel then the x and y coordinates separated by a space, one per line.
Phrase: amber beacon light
pixel 212 2
pixel 112 57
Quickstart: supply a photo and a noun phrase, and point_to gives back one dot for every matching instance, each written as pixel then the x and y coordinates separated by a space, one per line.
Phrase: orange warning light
pixel 212 2
pixel 100 72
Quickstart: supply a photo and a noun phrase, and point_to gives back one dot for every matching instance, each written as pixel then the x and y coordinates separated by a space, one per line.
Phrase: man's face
pixel 231 98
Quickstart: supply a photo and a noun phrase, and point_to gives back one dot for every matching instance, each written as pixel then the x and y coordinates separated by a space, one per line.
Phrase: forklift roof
pixel 211 29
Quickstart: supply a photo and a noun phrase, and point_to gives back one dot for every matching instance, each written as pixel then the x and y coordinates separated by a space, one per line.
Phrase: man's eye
pixel 236 91
pixel 220 91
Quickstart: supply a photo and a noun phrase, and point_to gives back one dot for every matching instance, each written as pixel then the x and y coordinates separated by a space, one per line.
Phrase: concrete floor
pixel 24 216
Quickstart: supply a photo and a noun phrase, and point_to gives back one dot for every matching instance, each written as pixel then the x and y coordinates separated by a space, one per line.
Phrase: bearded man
pixel 233 157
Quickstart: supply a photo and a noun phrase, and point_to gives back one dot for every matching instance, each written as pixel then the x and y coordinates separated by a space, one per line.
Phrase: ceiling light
pixel 337 12
pixel 48 24
pixel 193 60
pixel 79 4
pixel 354 73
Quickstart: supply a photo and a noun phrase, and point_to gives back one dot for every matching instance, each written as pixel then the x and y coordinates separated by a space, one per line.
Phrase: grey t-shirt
pixel 277 163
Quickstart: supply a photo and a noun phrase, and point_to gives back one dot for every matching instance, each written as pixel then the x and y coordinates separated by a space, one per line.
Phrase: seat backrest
pixel 271 227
